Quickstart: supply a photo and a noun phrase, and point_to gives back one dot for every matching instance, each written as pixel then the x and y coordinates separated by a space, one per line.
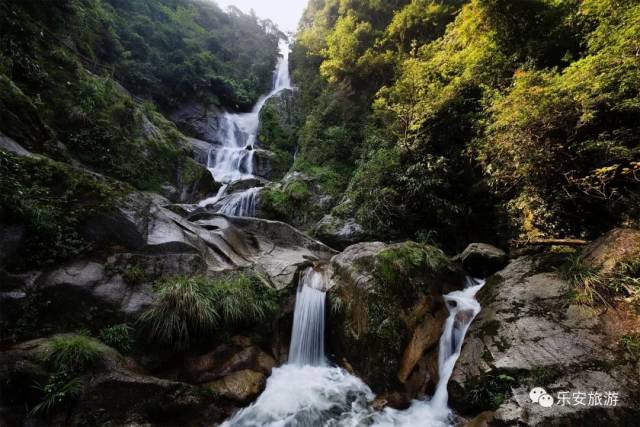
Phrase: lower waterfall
pixel 307 392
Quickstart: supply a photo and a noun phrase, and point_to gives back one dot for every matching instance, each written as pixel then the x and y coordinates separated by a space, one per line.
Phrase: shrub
pixel 72 353
pixel 118 337
pixel 631 344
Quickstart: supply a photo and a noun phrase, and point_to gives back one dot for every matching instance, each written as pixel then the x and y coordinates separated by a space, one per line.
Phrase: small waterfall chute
pixel 307 336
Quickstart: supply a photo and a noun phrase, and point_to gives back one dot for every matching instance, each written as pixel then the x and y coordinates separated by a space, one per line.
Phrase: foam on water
pixel 307 392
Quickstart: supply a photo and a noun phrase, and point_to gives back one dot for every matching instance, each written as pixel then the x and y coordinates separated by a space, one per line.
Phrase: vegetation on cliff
pixel 446 116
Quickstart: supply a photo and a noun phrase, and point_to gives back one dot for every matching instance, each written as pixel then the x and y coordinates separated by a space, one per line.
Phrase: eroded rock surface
pixel 530 334
pixel 388 314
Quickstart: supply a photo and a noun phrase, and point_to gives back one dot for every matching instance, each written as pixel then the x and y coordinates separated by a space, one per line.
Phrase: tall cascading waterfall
pixel 234 158
pixel 308 392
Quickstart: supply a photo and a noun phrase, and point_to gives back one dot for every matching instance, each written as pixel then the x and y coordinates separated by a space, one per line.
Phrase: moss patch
pixel 52 200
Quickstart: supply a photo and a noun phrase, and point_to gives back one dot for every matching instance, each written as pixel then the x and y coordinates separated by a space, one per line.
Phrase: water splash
pixel 306 392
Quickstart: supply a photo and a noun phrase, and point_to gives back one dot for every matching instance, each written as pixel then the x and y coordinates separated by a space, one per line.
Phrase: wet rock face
pixel 482 259
pixel 388 313
pixel 200 150
pixel 529 334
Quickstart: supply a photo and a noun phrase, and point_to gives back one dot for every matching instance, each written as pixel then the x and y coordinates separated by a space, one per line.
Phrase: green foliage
pixel 631 344
pixel 593 287
pixel 168 50
pixel 463 114
pixel 287 202
pixel 61 388
pixel 72 353
pixel 189 310
pixel 53 201
pixel 403 264
pixel 119 337
pixel 488 392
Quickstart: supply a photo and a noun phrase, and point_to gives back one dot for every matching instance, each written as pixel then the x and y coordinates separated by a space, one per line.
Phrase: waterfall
pixel 463 308
pixel 233 159
pixel 240 204
pixel 308 392
pixel 307 337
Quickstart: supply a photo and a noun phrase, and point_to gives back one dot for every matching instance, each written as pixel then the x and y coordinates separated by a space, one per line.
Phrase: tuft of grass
pixel 184 312
pixel 191 309
pixel 59 390
pixel 591 287
pixel 72 353
pixel 134 274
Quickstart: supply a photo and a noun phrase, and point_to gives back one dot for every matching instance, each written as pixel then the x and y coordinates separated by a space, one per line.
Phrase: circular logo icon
pixel 536 393
pixel 546 401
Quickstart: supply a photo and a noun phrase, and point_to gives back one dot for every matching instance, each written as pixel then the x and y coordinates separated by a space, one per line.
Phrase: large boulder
pixel 240 386
pixel 388 312
pixel 529 334
pixel 237 355
pixel 115 392
pixel 339 232
pixel 145 222
pixel 620 245
pixel 11 146
pixel 200 150
pixel 196 121
pixel 482 259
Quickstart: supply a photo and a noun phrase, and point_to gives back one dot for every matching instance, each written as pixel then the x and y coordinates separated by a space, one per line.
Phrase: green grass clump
pixel 593 287
pixel 631 344
pixel 189 310
pixel 72 353
pixel 58 391
pixel 119 337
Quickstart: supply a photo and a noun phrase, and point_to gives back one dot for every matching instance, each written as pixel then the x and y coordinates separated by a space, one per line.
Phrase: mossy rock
pixel 381 292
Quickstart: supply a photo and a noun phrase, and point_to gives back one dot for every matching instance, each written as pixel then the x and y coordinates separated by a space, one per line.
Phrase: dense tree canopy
pixel 523 114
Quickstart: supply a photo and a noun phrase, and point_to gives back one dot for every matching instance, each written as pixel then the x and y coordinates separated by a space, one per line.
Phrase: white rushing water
pixel 234 158
pixel 307 336
pixel 435 412
pixel 308 392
